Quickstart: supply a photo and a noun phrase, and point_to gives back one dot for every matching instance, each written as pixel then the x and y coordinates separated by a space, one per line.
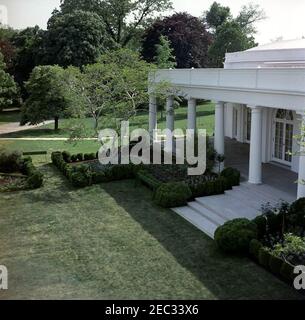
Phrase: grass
pixel 59 242
pixel 205 119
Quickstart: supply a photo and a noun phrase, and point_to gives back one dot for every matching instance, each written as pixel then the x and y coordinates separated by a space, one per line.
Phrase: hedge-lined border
pixel 34 178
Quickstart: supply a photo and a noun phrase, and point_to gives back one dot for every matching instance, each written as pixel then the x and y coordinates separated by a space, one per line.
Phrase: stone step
pixel 211 215
pixel 227 207
pixel 198 220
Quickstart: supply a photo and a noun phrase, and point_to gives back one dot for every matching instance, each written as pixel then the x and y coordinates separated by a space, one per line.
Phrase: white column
pixel 170 122
pixel 301 178
pixel 219 139
pixel 152 114
pixel 191 114
pixel 255 166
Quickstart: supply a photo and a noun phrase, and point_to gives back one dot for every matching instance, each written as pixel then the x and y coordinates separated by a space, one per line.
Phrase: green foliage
pixel 174 194
pixel 165 58
pixel 296 215
pixel 217 15
pixel 287 271
pixel 81 177
pixel 66 156
pixel 254 248
pixel 264 257
pixel 48 98
pixel 8 88
pixel 124 19
pixel 9 161
pixel 35 180
pixel 89 156
pixel 230 37
pixel 75 38
pixel 208 188
pixel 148 179
pixel 231 176
pixel 235 236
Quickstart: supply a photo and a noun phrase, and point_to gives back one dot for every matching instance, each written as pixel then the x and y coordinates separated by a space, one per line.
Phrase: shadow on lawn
pixel 226 277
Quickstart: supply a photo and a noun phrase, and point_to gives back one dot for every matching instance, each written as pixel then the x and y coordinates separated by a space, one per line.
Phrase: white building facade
pixel 260 100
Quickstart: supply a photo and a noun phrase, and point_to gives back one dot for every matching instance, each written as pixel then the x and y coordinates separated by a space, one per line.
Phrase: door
pixel 283 137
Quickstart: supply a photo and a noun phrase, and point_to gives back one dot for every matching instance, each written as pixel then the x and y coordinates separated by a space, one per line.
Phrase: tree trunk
pixel 56 123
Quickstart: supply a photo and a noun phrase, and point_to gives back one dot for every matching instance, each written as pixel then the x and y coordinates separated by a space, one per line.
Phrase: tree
pixel 76 38
pixel 217 15
pixel 123 18
pixel 8 88
pixel 28 44
pixel 187 35
pixel 7 48
pixel 230 37
pixel 164 58
pixel 48 98
pixel 231 34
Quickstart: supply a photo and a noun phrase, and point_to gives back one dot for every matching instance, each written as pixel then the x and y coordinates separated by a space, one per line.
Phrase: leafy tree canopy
pixel 187 35
pixel 165 58
pixel 48 95
pixel 8 89
pixel 75 38
pixel 217 15
pixel 123 18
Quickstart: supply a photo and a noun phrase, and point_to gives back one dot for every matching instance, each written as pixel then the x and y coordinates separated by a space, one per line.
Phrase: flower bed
pixel 17 173
pixel 276 240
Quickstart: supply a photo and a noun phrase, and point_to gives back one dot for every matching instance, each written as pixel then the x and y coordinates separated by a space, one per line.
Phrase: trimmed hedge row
pixel 209 188
pixel 148 180
pixel 34 176
pixel 272 263
pixel 231 177
pixel 82 176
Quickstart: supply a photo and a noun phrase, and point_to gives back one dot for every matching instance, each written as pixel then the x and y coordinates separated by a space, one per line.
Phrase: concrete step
pixel 211 215
pixel 227 207
pixel 198 220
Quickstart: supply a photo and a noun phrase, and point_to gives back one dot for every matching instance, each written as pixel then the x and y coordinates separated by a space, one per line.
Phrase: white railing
pixel 289 80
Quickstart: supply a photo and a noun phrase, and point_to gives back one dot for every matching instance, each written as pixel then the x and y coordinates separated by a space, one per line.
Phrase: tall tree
pixel 75 38
pixel 217 15
pixel 29 52
pixel 48 96
pixel 188 37
pixel 123 18
pixel 231 34
pixel 8 88
pixel 165 58
pixel 7 48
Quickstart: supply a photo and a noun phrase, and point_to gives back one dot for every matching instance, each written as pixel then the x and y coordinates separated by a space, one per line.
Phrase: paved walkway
pixel 15 127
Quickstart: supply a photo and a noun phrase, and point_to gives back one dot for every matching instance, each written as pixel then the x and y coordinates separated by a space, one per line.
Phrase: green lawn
pixel 111 242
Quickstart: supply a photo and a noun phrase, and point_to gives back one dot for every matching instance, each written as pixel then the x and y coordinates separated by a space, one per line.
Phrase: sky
pixel 285 18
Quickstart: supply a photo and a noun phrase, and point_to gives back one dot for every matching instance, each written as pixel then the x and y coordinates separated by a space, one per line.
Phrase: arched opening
pixel 283 136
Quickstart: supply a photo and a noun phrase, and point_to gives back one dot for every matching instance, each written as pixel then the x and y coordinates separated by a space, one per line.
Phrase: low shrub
pixel 148 179
pixel 275 264
pixel 173 194
pixel 264 257
pixel 296 214
pixel 231 176
pixel 261 223
pixel 35 180
pixel 74 158
pixel 254 248
pixel 80 157
pixel 122 172
pixel 89 156
pixel 81 176
pixel 208 188
pixel 235 236
pixel 9 161
pixel 66 156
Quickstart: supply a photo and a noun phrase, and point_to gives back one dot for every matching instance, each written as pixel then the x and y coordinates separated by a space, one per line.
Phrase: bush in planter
pixel 235 236
pixel 254 248
pixel 173 194
pixel 264 257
